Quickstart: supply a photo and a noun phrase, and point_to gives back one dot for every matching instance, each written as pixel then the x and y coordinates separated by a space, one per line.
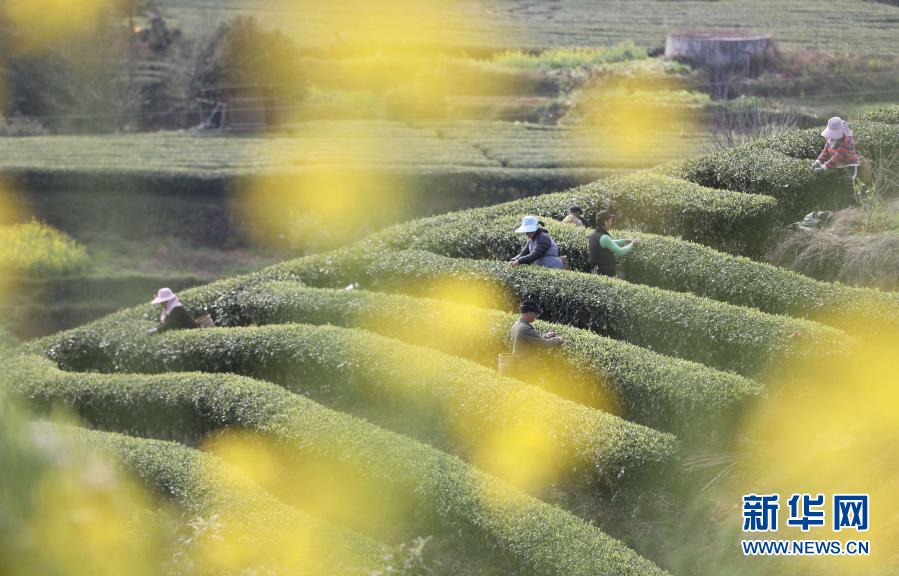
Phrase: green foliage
pixel 651 202
pixel 760 170
pixel 7 341
pixel 779 166
pixel 38 251
pixel 674 264
pixel 677 265
pixel 645 387
pixel 442 489
pixel 887 115
pixel 206 487
pixel 567 58
pixel 376 376
pixel 716 334
pixel 872 138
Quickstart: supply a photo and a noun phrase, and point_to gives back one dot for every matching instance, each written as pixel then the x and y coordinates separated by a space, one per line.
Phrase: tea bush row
pixel 779 166
pixel 726 220
pixel 205 487
pixel 713 333
pixel 674 264
pixel 649 388
pixel 443 490
pixel 383 379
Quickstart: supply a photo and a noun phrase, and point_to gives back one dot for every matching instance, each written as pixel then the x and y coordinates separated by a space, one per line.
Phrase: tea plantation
pixel 532 24
pixel 377 363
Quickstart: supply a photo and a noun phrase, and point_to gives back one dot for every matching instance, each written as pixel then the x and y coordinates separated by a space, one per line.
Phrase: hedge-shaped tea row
pixel 713 333
pixel 542 539
pixel 780 167
pixel 651 202
pixel 360 371
pixel 203 485
pixel 648 388
pixel 682 266
pixel 873 140
pixel 765 171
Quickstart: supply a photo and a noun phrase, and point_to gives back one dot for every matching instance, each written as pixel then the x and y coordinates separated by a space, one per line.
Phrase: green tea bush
pixel 686 267
pixel 873 139
pixel 443 490
pixel 673 264
pixel 719 335
pixel 651 202
pixel 778 166
pixel 761 170
pixel 887 115
pixel 206 487
pixel 36 250
pixel 648 388
pixel 384 379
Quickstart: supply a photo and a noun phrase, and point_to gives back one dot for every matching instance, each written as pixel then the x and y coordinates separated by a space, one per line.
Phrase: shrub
pixel 713 333
pixel 381 378
pixel 686 267
pixel 873 140
pixel 443 489
pixel 777 166
pixel 673 264
pixel 887 115
pixel 39 251
pixel 651 202
pixel 651 389
pixel 760 170
pixel 206 487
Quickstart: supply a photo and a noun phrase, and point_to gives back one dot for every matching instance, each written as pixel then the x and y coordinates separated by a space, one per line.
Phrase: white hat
pixel 835 130
pixel 164 295
pixel 528 224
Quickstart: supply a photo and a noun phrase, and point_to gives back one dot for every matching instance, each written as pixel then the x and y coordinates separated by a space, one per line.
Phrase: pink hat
pixel 164 295
pixel 836 128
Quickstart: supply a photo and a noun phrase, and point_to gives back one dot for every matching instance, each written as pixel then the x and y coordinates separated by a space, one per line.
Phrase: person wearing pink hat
pixel 839 153
pixel 173 316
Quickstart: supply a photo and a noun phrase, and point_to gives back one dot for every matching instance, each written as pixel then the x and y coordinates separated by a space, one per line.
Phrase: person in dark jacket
pixel 525 338
pixel 603 248
pixel 173 316
pixel 540 249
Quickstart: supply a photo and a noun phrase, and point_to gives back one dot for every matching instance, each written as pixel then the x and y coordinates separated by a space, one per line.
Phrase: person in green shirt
pixel 603 248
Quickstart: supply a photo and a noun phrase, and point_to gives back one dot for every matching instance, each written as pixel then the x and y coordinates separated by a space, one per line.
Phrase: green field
pixel 475 146
pixel 854 25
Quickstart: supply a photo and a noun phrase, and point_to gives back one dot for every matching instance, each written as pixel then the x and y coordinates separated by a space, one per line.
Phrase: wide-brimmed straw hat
pixel 528 224
pixel 835 130
pixel 164 295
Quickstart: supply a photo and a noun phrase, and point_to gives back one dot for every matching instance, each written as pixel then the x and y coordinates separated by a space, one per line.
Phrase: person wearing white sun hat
pixel 839 153
pixel 173 316
pixel 541 249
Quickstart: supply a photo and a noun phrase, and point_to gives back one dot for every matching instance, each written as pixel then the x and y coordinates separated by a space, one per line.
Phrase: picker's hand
pixel 818 169
pixel 513 262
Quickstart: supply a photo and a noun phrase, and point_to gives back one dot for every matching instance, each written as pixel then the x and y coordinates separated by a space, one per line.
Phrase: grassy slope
pixel 500 24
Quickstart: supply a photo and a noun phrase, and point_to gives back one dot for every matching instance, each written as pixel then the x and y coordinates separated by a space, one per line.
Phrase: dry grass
pixel 840 252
